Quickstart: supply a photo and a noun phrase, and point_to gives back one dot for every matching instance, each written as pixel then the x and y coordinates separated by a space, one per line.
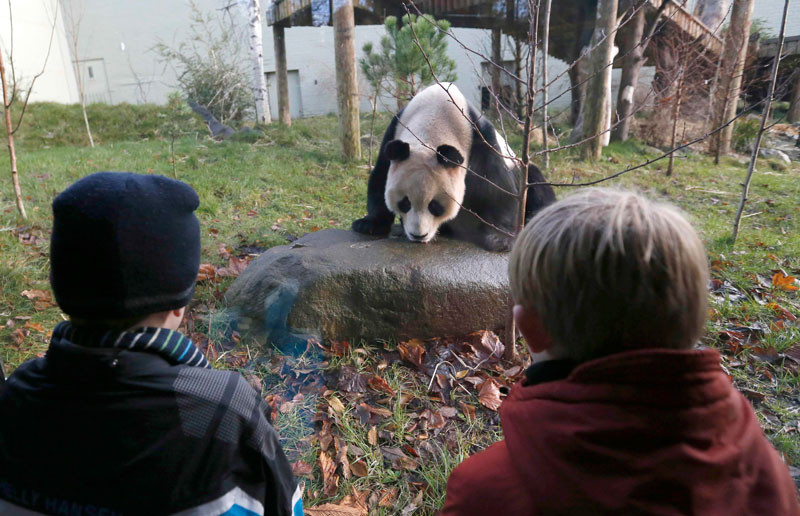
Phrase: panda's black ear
pixel 397 150
pixel 448 156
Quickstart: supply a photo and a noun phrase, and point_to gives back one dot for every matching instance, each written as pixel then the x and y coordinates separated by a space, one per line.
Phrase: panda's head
pixel 424 187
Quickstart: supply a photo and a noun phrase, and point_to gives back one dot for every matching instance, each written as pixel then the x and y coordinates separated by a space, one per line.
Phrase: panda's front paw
pixel 369 226
pixel 497 243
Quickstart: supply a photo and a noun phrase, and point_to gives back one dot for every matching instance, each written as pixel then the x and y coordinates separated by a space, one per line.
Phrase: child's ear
pixel 531 327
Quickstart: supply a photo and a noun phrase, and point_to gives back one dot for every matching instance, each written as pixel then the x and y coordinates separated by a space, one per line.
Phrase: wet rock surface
pixel 341 285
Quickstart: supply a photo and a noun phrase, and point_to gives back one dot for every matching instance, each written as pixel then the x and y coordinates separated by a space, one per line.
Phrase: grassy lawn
pixel 365 421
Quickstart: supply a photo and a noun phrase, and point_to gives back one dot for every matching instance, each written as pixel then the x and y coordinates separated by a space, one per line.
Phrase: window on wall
pixel 91 72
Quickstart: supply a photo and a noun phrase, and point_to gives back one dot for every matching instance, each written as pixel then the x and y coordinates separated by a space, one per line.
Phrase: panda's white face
pixel 424 188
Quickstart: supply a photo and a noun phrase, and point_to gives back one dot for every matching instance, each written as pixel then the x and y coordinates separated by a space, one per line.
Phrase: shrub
pixel 209 67
pixel 745 131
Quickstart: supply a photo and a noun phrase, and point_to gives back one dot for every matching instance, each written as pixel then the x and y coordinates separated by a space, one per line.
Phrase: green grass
pixel 258 192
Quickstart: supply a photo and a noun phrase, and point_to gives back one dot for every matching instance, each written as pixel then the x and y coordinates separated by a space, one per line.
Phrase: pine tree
pixel 411 53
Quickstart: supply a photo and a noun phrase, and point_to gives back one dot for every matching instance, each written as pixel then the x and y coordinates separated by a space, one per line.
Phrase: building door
pixel 295 98
pixel 95 81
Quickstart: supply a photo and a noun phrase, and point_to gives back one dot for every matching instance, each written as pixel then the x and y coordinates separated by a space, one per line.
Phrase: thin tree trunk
pixel 530 96
pixel 497 59
pixel 281 73
pixel 730 80
pixel 372 126
pixel 633 49
pixel 764 117
pixel 518 72
pixel 10 135
pixel 259 87
pixel 545 55
pixel 346 84
pixel 600 73
pixel 676 111
pixel 794 107
pixel 75 26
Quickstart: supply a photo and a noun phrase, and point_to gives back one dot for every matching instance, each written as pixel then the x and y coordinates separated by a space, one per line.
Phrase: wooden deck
pixel 287 11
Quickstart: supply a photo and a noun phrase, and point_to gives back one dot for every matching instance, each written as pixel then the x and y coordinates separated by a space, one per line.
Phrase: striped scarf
pixel 171 345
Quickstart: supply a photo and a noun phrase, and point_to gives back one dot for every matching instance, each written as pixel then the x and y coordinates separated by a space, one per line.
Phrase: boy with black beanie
pixel 124 415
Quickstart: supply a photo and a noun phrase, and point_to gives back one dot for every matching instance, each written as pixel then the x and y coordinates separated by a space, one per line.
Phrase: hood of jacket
pixel 653 431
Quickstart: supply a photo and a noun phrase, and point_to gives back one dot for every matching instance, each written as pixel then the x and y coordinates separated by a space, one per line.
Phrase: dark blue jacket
pixel 96 431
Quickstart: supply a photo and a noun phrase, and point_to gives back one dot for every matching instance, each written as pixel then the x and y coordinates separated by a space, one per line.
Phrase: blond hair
pixel 608 271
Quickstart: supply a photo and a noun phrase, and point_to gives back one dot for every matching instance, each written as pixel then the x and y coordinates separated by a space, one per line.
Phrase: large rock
pixel 342 285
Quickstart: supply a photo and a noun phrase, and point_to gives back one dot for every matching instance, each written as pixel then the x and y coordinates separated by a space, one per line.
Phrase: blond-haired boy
pixel 619 414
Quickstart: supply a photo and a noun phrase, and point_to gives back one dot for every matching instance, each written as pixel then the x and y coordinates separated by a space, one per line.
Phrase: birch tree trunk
pixel 633 49
pixel 598 89
pixel 260 94
pixel 730 78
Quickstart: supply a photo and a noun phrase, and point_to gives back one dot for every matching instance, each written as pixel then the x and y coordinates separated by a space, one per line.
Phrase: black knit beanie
pixel 124 245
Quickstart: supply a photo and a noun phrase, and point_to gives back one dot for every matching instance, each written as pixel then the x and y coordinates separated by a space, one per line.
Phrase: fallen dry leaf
pixel 207 272
pixel 784 282
pixel 412 351
pixel 336 405
pixel 468 410
pixel 18 336
pixel 388 497
pixel 379 384
pixel 489 395
pixel 372 435
pixel 377 410
pixel 330 480
pixel 235 267
pixel 37 294
pixel 359 468
pixel 301 469
pixel 330 509
pixel 34 326
pixel 341 457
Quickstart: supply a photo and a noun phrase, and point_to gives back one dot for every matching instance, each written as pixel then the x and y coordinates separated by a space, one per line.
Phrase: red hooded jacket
pixel 643 432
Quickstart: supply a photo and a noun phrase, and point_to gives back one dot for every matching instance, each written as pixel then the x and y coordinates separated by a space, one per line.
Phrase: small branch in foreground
pixel 764 117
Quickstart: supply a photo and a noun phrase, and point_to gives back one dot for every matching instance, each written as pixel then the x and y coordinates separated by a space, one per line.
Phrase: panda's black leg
pixel 539 196
pixel 379 219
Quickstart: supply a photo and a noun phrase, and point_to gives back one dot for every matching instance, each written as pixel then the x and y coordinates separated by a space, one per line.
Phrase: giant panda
pixel 421 175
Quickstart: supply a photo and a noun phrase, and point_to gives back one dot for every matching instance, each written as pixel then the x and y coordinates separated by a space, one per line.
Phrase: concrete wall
pixel 33 25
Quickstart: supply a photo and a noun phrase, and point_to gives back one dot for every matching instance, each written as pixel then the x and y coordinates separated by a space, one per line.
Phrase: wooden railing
pixel 791 47
pixel 690 25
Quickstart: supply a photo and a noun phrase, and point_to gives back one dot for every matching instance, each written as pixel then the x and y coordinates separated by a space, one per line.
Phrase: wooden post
pixel 600 74
pixel 279 42
pixel 633 50
pixel 730 79
pixel 346 84
pixel 794 107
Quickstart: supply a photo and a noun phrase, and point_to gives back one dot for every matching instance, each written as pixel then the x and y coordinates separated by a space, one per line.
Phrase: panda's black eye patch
pixel 404 206
pixel 436 208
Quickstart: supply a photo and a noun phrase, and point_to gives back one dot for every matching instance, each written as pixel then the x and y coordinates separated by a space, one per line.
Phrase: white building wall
pixel 33 24
pixel 122 33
